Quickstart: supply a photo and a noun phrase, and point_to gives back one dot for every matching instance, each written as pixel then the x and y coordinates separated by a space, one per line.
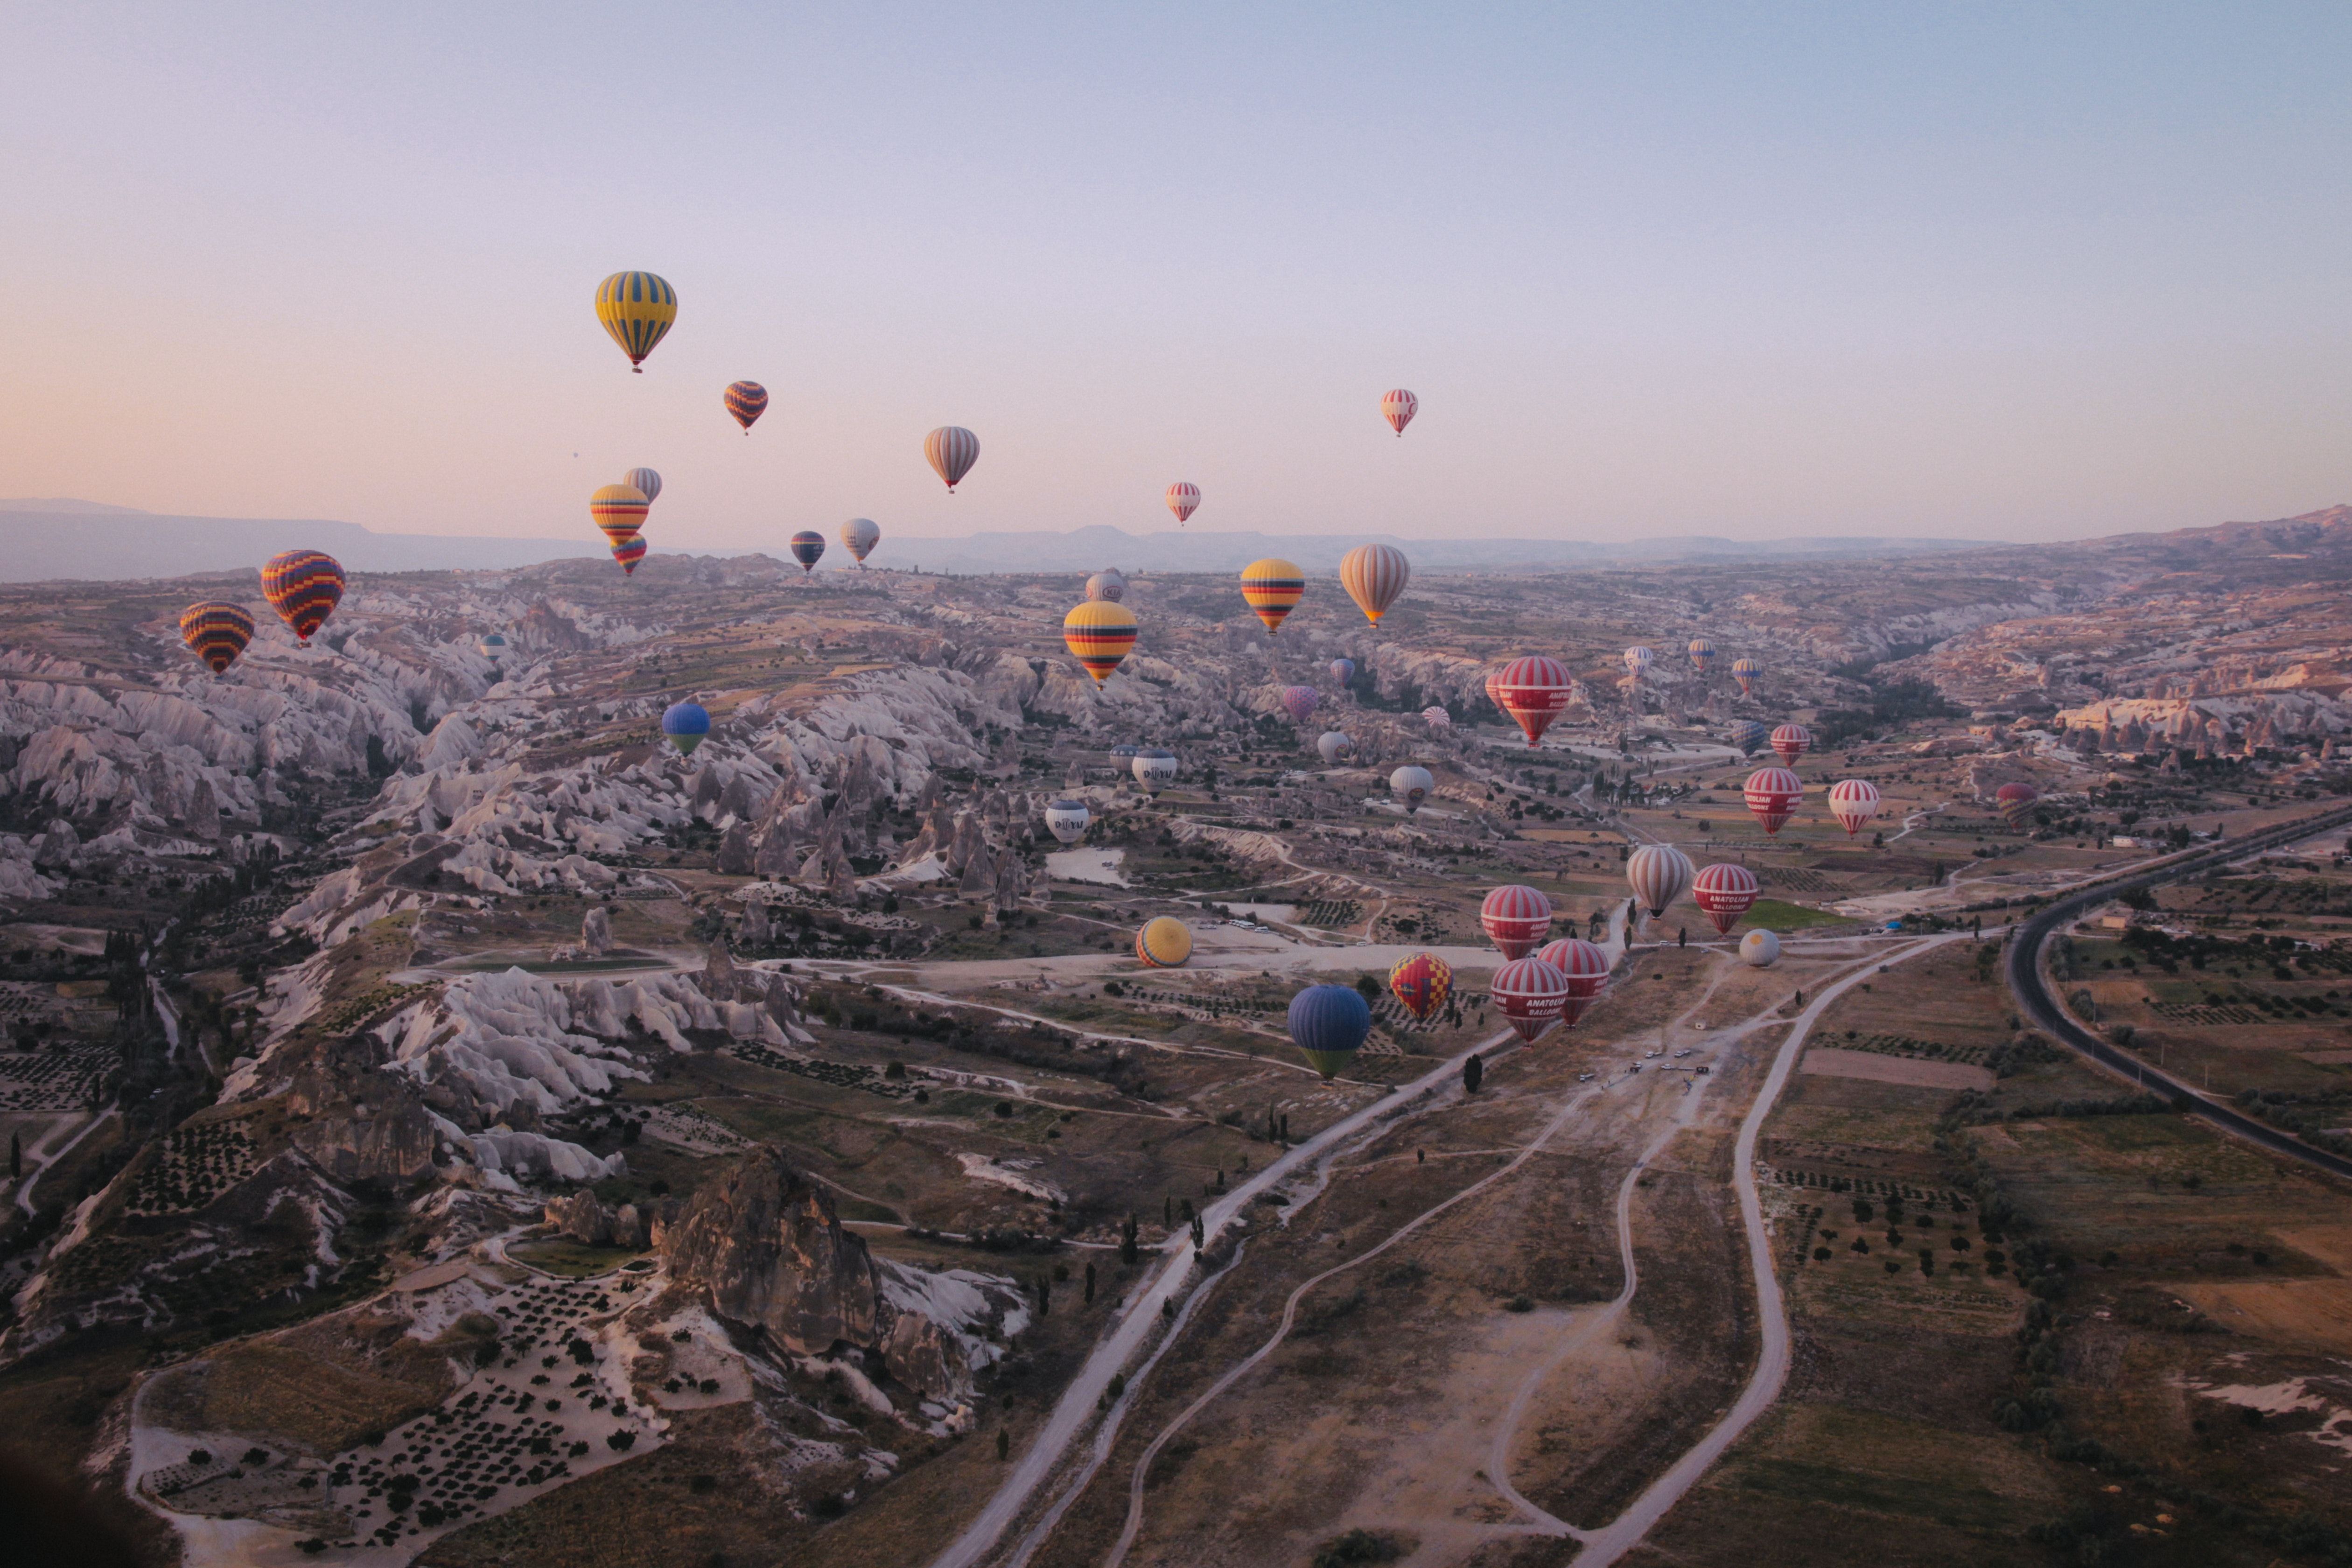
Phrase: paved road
pixel 2036 1003
pixel 1141 1319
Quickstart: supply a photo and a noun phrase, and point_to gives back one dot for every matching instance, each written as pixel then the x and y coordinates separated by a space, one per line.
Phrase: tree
pixel 1127 1249
pixel 1200 1235
pixel 1090 1284
pixel 1474 1073
pixel 1369 987
pixel 1004 1445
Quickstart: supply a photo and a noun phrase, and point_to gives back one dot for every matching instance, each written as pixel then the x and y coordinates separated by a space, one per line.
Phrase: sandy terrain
pixel 1826 1061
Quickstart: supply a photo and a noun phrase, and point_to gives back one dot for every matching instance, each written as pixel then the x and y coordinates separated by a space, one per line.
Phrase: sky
pixel 1961 271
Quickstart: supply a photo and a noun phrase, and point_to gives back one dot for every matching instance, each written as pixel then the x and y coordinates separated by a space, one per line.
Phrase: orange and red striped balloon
pixel 216 632
pixel 1273 588
pixel 303 586
pixel 1099 633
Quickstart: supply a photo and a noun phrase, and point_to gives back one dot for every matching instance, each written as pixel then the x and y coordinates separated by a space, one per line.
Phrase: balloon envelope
pixel 1273 587
pixel 808 549
pixel 1098 634
pixel 2015 800
pixel 1374 575
pixel 619 510
pixel 1531 994
pixel 1658 874
pixel 1421 983
pixel 303 586
pixel 747 400
pixel 1068 819
pixel 1299 701
pixel 216 633
pixel 1329 1024
pixel 1724 892
pixel 1398 407
pixel 1343 670
pixel 1749 736
pixel 1411 785
pixel 1638 659
pixel 1760 948
pixel 1333 745
pixel 1746 670
pixel 1107 585
pixel 492 647
pixel 1773 793
pixel 1586 968
pixel 637 309
pixel 1164 943
pixel 1153 768
pixel 1533 690
pixel 1436 717
pixel 685 724
pixel 628 552
pixel 1853 802
pixel 1183 499
pixel 859 536
pixel 952 451
pixel 1702 654
pixel 645 480
pixel 1516 918
pixel 1791 741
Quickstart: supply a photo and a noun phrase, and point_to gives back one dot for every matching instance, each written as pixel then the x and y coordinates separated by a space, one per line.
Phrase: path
pixel 1139 1316
pixel 47 1159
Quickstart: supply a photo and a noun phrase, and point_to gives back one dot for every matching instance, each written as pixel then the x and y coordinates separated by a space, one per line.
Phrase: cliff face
pixel 768 1245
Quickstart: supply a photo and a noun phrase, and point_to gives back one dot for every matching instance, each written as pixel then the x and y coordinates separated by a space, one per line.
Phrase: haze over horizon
pixel 1996 275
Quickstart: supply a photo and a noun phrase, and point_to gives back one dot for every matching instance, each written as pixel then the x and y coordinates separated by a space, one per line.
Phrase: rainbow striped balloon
pixel 216 632
pixel 1273 587
pixel 637 309
pixel 1099 632
pixel 952 451
pixel 628 552
pixel 1374 575
pixel 619 510
pixel 303 586
pixel 747 400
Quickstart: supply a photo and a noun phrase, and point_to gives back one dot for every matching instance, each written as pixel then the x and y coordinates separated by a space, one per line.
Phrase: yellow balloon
pixel 637 309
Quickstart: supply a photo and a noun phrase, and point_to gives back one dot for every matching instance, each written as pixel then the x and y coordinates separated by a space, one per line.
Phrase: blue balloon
pixel 1749 736
pixel 685 723
pixel 1343 670
pixel 1329 1022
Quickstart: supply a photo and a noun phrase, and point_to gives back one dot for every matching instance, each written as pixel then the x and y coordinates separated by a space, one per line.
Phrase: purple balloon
pixel 1299 701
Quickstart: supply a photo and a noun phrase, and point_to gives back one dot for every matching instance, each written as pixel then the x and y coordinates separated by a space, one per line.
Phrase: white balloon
pixel 1760 948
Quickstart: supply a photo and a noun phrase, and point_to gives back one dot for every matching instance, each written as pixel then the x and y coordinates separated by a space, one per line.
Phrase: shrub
pixel 1357 1546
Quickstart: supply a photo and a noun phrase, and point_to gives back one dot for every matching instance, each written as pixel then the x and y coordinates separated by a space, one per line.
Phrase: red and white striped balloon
pixel 1534 690
pixel 1658 873
pixel 1517 918
pixel 1586 968
pixel 1773 794
pixel 1723 893
pixel 1791 741
pixel 1531 994
pixel 1398 407
pixel 1183 499
pixel 1853 802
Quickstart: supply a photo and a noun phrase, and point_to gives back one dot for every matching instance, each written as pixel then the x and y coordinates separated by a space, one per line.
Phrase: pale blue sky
pixel 1984 271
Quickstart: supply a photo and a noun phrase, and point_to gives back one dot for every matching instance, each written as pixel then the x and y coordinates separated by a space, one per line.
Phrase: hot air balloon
pixel 1702 655
pixel 1333 745
pixel 1298 702
pixel 1534 690
pixel 1420 984
pixel 747 400
pixel 1099 632
pixel 1791 741
pixel 216 633
pixel 1658 873
pixel 1398 407
pixel 1374 575
pixel 1153 768
pixel 1123 753
pixel 1164 943
pixel 808 548
pixel 1343 670
pixel 303 586
pixel 644 479
pixel 1759 950
pixel 1638 660
pixel 952 450
pixel 2015 800
pixel 859 536
pixel 619 510
pixel 1724 892
pixel 1494 684
pixel 1436 717
pixel 1772 794
pixel 1327 1024
pixel 1517 918
pixel 1532 996
pixel 685 724
pixel 628 552
pixel 1586 968
pixel 1272 587
pixel 493 647
pixel 1411 786
pixel 1853 802
pixel 1749 736
pixel 1068 819
pixel 637 309
pixel 1183 499
pixel 1106 584
pixel 1747 671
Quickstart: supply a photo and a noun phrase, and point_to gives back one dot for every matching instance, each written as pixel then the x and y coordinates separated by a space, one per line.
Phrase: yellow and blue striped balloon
pixel 1273 587
pixel 1098 634
pixel 637 309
